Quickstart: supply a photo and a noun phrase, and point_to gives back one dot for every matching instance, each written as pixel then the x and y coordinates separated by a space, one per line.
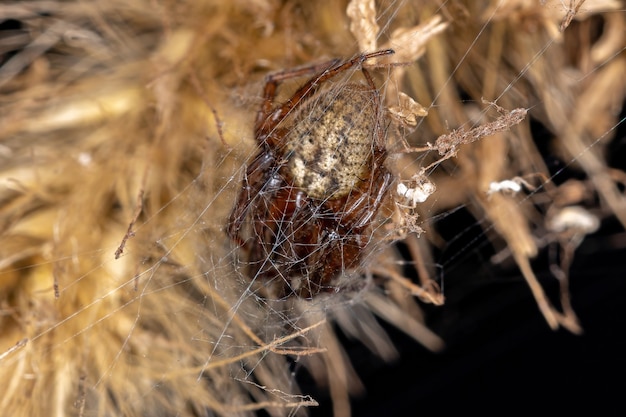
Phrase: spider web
pixel 124 295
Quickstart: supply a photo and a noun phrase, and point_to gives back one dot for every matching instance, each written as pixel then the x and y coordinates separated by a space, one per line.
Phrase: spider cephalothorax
pixel 305 210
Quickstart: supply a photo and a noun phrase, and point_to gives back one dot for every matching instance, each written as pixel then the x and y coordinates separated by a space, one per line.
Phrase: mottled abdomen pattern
pixel 329 148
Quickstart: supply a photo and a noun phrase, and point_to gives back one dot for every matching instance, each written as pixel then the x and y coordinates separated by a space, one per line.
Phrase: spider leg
pixel 268 118
pixel 380 136
pixel 252 185
pixel 272 81
pixel 366 205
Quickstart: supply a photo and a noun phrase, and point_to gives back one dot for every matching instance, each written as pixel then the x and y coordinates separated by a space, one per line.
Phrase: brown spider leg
pixel 267 119
pixel 380 137
pixel 363 208
pixel 252 185
pixel 269 93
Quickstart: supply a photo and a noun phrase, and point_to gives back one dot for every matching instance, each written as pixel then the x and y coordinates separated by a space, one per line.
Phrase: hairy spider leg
pixel 362 208
pixel 268 118
pixel 380 137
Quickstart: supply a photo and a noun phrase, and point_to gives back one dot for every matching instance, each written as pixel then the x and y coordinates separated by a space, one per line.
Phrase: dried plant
pixel 124 130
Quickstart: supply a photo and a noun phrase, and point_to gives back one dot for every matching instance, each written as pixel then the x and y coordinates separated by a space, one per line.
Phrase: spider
pixel 308 200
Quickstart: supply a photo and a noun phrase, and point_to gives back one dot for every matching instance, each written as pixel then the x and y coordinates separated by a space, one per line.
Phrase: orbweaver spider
pixel 309 197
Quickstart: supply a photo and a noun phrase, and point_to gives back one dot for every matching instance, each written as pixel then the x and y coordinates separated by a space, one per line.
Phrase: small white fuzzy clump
pixel 574 218
pixel 418 194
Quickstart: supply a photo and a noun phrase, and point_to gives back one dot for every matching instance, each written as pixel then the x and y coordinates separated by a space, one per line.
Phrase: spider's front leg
pixel 267 117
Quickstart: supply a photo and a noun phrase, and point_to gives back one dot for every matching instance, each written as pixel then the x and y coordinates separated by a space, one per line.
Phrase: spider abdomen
pixel 329 148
